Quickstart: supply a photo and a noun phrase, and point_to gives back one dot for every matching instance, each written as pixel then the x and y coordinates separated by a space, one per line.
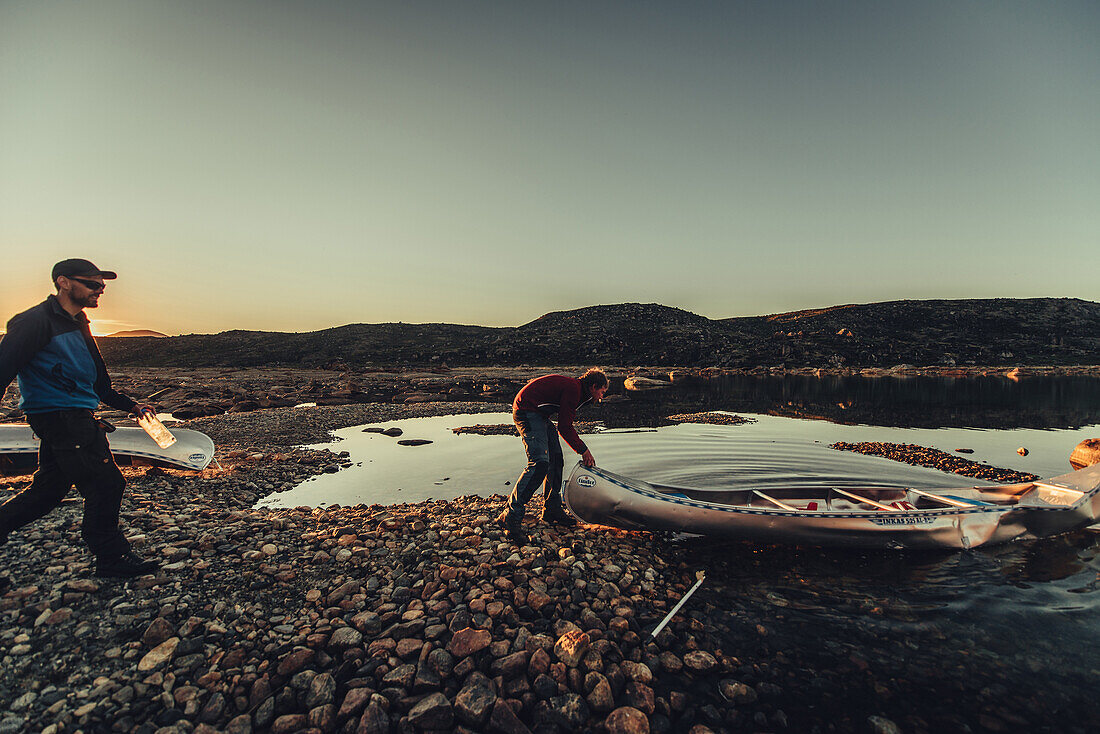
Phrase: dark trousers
pixel 544 461
pixel 73 451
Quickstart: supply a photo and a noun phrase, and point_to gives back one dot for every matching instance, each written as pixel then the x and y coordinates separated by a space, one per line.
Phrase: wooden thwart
pixel 774 501
pixel 865 500
pixel 939 498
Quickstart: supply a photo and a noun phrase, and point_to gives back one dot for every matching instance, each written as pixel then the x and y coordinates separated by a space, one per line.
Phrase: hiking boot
pixel 514 527
pixel 128 565
pixel 557 515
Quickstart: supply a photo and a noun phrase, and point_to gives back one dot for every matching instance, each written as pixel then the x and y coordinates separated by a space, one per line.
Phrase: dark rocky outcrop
pixel 1035 331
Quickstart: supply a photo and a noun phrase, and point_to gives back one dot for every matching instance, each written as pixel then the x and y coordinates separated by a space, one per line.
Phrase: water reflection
pixel 904 402
pixel 968 641
pixel 1059 565
pixel 1054 559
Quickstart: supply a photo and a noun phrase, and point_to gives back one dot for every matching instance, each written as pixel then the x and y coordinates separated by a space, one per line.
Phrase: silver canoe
pixel 873 517
pixel 192 449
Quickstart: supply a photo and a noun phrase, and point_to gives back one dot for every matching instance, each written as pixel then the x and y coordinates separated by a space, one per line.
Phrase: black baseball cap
pixel 76 267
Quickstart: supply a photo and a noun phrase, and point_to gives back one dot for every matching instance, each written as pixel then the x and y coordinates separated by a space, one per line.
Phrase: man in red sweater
pixel 531 410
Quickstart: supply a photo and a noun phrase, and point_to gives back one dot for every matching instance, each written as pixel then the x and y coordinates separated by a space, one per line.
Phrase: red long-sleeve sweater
pixel 559 394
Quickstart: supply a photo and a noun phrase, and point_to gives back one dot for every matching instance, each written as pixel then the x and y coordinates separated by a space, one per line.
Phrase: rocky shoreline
pixel 415 617
pixel 423 617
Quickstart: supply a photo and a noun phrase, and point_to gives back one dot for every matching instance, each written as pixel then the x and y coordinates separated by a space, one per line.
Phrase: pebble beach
pixel 418 617
pixel 423 617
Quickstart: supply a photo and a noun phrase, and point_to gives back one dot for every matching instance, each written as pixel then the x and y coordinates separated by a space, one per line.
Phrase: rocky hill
pixel 1037 331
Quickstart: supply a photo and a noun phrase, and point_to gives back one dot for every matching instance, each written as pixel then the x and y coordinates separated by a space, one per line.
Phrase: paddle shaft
pixel 657 630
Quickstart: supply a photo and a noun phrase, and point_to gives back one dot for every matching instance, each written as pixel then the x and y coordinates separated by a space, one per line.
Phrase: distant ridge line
pixel 988 332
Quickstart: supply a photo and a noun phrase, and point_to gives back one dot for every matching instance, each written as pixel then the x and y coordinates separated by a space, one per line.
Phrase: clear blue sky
pixel 294 166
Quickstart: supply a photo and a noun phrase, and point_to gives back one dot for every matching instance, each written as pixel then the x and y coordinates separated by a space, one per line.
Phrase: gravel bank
pixel 349 619
pixel 915 455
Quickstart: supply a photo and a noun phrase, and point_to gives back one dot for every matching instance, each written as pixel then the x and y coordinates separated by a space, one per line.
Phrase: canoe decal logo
pixel 196 457
pixel 908 520
pixel 586 481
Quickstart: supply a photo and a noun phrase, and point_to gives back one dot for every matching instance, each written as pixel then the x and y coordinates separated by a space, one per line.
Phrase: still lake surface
pixel 993 639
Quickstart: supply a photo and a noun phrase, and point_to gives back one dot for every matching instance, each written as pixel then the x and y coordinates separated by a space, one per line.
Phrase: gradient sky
pixel 293 166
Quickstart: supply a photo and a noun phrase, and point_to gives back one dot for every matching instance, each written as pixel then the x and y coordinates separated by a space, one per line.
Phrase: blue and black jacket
pixel 57 361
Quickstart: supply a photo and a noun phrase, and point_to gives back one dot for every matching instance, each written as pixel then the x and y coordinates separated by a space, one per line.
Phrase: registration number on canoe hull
pixel 908 520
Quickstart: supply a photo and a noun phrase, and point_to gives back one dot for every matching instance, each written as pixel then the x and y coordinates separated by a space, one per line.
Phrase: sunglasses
pixel 89 284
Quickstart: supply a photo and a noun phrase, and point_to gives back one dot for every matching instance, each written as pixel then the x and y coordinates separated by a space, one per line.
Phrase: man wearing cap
pixel 62 380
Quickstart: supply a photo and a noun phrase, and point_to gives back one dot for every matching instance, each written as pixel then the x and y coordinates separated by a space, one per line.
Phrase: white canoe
pixel 873 517
pixel 192 449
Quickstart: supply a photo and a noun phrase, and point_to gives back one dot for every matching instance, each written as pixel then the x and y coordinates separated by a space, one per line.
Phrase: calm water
pixel 772 451
pixel 995 639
